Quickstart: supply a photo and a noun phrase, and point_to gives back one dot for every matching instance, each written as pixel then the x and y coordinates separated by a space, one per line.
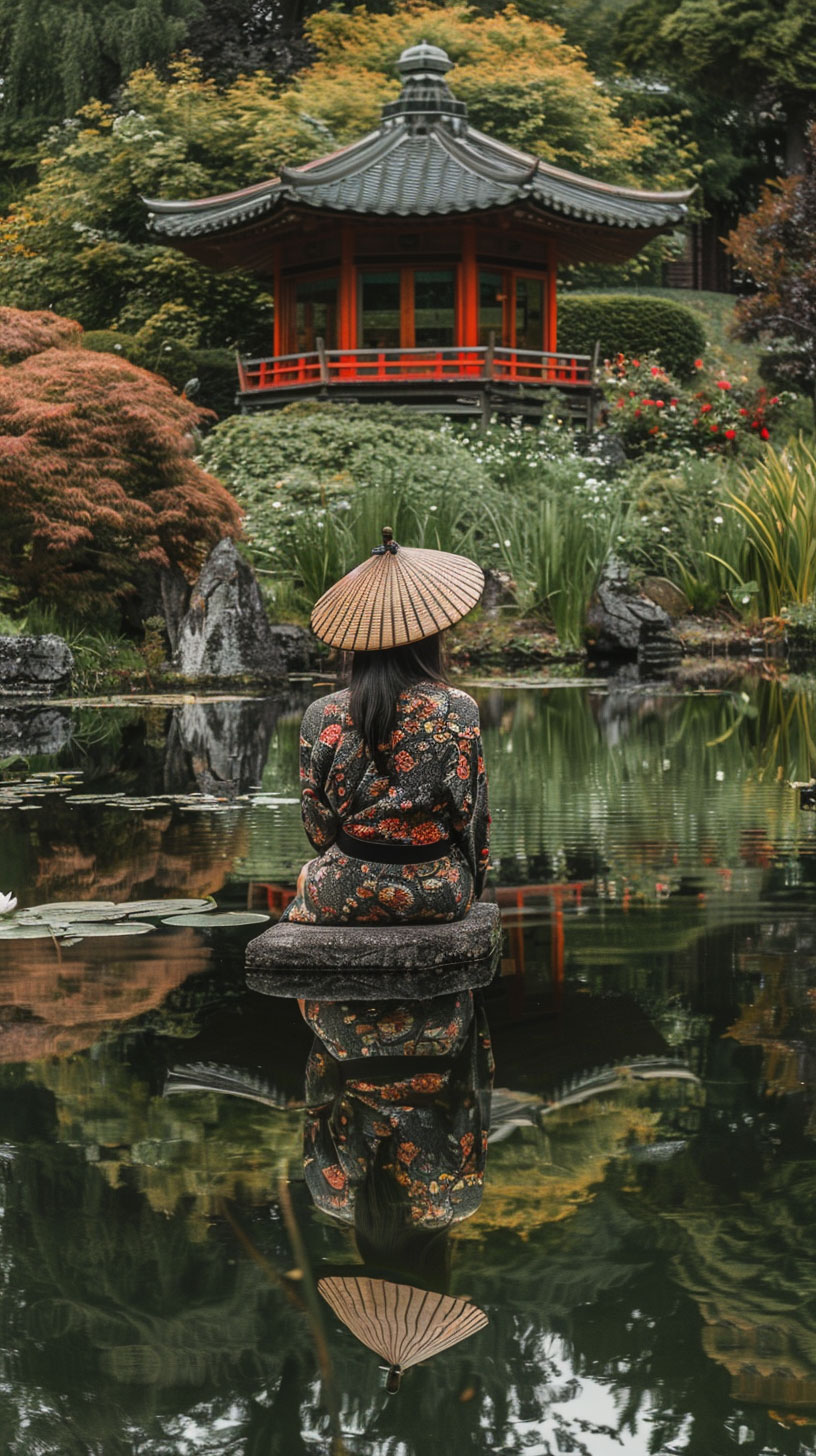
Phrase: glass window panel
pixel 380 310
pixel 491 306
pixel 529 313
pixel 315 314
pixel 434 309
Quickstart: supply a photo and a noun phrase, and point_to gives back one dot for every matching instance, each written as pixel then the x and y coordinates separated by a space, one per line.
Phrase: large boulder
pixel 225 633
pixel 34 666
pixel 620 622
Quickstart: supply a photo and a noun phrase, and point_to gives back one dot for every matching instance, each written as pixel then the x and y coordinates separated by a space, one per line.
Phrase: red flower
pixel 655 371
pixel 723 384
pixel 635 363
pixel 331 734
pixel 698 363
pixel 743 411
pixel 764 433
pixel 404 762
pixel 637 414
pixel 704 409
pixel 730 434
pixel 659 403
pixel 714 428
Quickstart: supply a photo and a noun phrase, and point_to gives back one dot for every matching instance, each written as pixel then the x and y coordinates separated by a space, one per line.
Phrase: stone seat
pixel 378 962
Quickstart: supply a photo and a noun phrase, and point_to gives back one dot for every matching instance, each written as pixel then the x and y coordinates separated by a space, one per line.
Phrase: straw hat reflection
pixel 399 595
pixel 401 1324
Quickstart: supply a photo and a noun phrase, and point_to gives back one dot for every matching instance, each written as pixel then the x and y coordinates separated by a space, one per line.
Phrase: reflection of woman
pixel 394 796
pixel 398 1114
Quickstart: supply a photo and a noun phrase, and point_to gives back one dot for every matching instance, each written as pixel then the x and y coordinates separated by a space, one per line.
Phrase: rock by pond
pixel 620 622
pixel 34 666
pixel 225 632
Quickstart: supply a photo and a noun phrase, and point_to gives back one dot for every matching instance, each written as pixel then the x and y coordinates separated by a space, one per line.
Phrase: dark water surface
pixel 644 1245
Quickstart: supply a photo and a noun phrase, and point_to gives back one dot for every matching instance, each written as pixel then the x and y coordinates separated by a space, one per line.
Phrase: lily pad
pixel 165 907
pixel 13 930
pixel 115 927
pixel 64 917
pixel 65 909
pixel 223 917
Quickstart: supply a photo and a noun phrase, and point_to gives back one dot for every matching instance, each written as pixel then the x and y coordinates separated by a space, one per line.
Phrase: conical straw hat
pixel 401 1324
pixel 399 595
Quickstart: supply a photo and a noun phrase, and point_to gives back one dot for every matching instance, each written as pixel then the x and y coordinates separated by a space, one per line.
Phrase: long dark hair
pixel 378 678
pixel 387 1237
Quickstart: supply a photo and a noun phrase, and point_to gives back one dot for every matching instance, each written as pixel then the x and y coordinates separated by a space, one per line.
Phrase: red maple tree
pixel 98 483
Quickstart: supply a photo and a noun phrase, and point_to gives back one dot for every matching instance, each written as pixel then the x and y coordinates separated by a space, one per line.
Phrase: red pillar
pixel 348 290
pixel 552 301
pixel 469 305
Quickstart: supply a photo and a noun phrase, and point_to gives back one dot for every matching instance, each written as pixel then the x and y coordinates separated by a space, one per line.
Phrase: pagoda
pixel 419 264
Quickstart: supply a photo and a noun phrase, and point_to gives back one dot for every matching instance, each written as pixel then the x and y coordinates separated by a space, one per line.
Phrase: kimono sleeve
pixel 320 820
pixel 466 786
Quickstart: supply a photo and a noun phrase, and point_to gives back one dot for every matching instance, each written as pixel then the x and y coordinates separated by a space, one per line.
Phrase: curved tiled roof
pixel 424 160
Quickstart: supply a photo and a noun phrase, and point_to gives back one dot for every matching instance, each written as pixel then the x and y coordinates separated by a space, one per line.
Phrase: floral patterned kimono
pixel 435 790
pixel 415 1074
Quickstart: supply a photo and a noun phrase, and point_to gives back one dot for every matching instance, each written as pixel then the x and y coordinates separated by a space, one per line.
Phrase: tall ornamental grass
pixel 777 506
pixel 328 543
pixel 555 548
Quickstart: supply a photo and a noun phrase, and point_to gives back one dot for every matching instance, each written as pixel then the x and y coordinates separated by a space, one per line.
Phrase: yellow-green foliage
pixel 778 507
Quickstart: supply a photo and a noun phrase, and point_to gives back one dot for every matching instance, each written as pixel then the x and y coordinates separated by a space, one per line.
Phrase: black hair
pixel 387 1237
pixel 378 678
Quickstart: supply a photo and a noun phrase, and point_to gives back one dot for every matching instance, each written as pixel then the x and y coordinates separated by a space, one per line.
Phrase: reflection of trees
pixel 780 1016
pixel 55 1000
pixel 629 783
pixel 189 1153
pixel 117 1318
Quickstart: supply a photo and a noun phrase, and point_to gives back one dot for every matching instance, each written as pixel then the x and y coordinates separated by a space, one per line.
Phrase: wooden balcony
pixel 481 381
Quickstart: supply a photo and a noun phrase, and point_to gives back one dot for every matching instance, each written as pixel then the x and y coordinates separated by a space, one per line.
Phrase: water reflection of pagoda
pixel 418 264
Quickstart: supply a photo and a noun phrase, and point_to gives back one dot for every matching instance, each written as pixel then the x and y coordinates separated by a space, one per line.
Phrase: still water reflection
pixel 640 1234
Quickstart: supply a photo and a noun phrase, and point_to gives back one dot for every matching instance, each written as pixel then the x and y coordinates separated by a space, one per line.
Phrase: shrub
pixel 99 487
pixel 631 324
pixel 311 458
pixel 652 413
pixel 23 334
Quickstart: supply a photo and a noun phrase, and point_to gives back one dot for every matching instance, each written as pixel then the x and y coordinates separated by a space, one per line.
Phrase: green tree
pixel 761 57
pixel 57 54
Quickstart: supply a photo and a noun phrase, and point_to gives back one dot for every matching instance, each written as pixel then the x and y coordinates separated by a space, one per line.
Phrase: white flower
pixel 718 520
pixel 7 904
pixel 719 775
pixel 507 543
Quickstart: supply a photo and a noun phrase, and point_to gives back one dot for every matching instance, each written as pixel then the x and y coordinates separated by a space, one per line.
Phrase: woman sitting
pixel 394 794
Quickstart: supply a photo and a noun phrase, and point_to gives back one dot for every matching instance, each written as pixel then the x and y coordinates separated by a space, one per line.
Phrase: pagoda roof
pixel 424 160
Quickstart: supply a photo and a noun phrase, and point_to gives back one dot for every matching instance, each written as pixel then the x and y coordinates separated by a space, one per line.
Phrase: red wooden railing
pixel 484 364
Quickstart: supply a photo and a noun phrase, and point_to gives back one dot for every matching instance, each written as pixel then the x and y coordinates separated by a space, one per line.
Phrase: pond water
pixel 642 1242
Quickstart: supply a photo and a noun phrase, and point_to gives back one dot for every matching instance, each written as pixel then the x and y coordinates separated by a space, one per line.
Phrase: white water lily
pixel 7 904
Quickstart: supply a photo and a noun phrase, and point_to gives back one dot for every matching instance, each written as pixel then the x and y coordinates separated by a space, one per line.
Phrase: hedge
pixel 631 324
